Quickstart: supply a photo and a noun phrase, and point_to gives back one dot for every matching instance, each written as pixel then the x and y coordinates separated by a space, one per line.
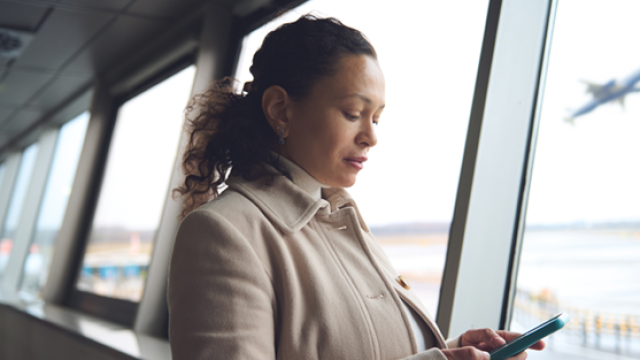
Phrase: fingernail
pixel 497 341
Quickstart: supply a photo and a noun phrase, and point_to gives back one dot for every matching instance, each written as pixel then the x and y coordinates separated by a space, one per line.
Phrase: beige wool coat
pixel 270 272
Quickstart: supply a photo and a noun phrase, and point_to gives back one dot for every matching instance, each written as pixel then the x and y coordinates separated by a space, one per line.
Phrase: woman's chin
pixel 346 182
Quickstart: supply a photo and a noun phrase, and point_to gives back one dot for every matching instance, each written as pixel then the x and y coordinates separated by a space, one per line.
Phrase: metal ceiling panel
pixel 122 39
pixel 164 8
pixel 60 91
pixel 98 4
pixel 20 86
pixel 19 126
pixel 20 122
pixel 71 109
pixel 20 17
pixel 4 112
pixel 61 36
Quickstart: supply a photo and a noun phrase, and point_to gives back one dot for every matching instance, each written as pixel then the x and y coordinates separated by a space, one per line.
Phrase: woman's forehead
pixel 358 77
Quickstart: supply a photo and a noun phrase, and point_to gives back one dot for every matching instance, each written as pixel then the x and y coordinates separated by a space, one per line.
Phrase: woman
pixel 281 265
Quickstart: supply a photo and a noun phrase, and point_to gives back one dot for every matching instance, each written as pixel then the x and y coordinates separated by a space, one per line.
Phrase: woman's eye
pixel 351 117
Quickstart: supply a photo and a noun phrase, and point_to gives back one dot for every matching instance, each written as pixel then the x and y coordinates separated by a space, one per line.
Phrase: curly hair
pixel 229 132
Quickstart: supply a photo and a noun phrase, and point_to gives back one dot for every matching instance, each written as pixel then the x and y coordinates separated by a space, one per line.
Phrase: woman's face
pixel 331 131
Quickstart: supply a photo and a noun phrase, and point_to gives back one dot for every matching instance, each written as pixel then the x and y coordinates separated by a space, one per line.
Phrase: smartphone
pixel 522 342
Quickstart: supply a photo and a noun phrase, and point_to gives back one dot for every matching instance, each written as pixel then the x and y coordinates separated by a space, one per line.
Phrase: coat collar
pixel 283 202
pixel 292 204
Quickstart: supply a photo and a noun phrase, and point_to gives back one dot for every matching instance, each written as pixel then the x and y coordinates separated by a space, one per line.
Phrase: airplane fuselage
pixel 613 90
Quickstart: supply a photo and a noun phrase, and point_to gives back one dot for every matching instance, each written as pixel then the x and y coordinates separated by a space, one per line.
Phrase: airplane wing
pixel 592 87
pixel 599 91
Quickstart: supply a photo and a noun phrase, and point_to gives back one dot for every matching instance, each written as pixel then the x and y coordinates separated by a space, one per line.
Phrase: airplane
pixel 613 90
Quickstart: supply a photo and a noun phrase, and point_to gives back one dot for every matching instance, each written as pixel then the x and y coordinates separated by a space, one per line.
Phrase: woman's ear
pixel 275 101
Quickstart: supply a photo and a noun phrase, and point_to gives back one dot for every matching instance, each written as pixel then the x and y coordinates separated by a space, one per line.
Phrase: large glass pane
pixel 134 188
pixel 54 204
pixel 1 174
pixel 581 246
pixel 429 53
pixel 10 223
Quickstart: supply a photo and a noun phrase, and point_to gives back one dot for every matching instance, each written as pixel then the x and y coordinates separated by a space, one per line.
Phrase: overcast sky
pixel 589 171
pixel 142 155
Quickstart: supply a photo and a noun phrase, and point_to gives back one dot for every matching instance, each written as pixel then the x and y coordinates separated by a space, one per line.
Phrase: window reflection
pixel 429 56
pixel 581 244
pixel 10 224
pixel 54 204
pixel 134 188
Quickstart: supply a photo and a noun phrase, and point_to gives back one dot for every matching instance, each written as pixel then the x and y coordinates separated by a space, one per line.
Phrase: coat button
pixel 403 282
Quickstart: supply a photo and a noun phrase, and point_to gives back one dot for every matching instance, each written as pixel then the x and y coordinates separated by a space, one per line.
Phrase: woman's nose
pixel 368 136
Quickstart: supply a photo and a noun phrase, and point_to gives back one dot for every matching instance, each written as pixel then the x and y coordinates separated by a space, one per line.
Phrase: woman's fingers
pixel 540 345
pixel 485 339
pixel 510 335
pixel 466 353
pixel 522 356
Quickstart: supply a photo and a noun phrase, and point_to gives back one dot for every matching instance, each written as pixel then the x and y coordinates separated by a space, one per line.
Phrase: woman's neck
pixel 301 177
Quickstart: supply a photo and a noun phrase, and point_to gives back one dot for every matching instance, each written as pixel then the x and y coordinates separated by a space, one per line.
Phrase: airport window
pixel 407 190
pixel 581 247
pixel 2 171
pixel 19 193
pixel 54 204
pixel 3 183
pixel 135 185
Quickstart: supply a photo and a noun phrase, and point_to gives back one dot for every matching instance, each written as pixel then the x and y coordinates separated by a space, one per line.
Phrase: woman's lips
pixel 356 162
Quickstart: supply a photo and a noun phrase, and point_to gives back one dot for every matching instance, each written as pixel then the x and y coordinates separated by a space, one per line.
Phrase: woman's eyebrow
pixel 362 97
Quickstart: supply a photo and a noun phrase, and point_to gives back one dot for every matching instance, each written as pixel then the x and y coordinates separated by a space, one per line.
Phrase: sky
pixel 588 171
pixel 63 168
pixel 143 152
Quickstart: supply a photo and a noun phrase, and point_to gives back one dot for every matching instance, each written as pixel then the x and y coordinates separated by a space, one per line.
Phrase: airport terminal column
pixel 62 273
pixel 26 225
pixel 482 246
pixel 12 164
pixel 212 54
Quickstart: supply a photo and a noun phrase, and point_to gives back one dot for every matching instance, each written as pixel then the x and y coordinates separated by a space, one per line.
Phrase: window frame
pixel 457 280
pixel 12 274
pixel 486 233
pixel 12 166
pixel 503 37
pixel 112 309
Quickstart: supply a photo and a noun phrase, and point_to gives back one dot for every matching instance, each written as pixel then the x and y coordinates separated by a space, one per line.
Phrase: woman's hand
pixel 476 344
pixel 466 353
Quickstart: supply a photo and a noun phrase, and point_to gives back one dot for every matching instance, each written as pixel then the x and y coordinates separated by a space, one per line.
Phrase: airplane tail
pixel 570 117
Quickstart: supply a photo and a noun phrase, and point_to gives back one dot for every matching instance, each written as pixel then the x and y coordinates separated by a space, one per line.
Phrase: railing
pixel 608 332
